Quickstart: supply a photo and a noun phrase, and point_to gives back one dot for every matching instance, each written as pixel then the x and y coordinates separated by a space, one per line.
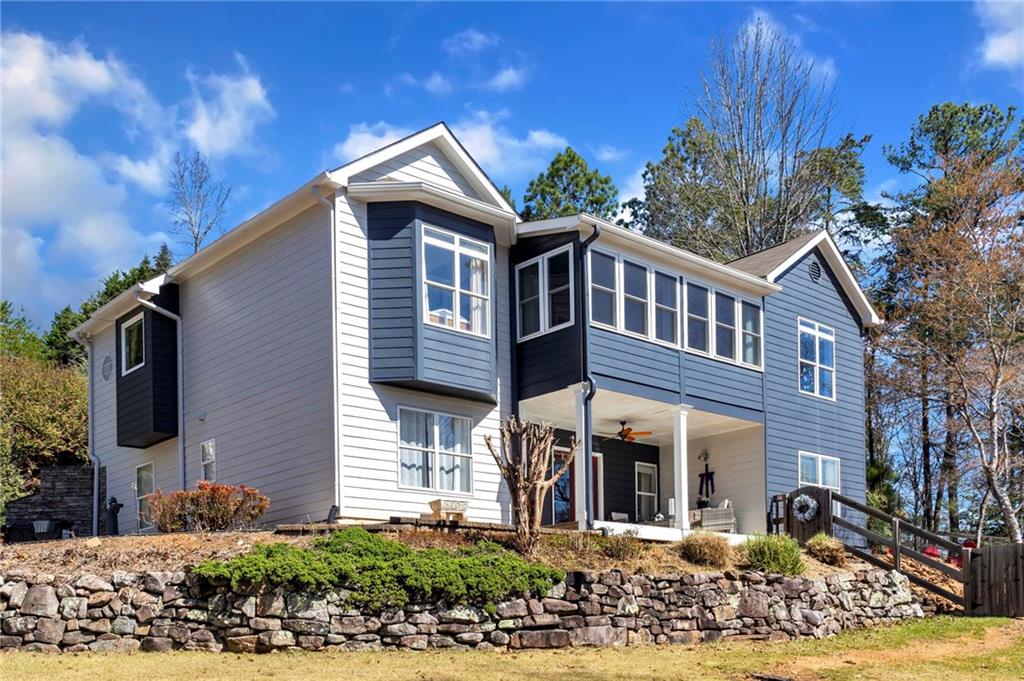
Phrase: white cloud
pixel 824 67
pixel 1003 23
pixel 469 41
pixel 607 153
pixel 437 84
pixel 366 137
pixel 508 78
pixel 226 109
pixel 497 149
pixel 633 188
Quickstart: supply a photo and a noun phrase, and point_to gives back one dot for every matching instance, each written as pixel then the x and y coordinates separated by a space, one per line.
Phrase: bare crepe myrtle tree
pixel 198 199
pixel 530 467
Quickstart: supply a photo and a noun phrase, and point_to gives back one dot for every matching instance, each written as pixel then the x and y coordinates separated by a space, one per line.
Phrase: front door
pixel 563 497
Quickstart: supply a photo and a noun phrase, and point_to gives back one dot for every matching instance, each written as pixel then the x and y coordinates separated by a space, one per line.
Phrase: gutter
pixel 588 419
pixel 181 381
pixel 335 346
pixel 92 437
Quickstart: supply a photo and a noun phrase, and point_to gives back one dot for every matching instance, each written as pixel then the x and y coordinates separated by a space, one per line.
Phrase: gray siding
pixel 258 368
pixel 802 422
pixel 634 366
pixel 727 385
pixel 403 350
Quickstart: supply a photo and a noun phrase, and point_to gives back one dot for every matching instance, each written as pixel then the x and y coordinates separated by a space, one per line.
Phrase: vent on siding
pixel 815 270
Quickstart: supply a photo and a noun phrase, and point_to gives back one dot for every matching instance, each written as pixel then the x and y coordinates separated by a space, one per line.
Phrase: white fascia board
pixel 684 260
pixel 108 313
pixel 434 195
pixel 440 135
pixel 869 317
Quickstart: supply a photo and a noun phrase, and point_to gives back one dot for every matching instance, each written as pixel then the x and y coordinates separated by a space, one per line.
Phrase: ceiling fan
pixel 627 434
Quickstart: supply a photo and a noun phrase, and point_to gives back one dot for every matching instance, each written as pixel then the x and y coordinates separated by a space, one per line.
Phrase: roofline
pixel 432 194
pixel 869 317
pixel 690 260
pixel 440 134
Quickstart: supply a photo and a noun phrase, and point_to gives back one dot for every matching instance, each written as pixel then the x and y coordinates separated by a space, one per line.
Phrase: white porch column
pixel 579 480
pixel 680 474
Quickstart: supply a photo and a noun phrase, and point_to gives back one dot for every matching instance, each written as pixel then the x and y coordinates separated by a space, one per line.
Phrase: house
pixel 354 343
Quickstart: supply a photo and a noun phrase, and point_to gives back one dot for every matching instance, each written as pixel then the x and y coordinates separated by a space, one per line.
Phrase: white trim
pixel 682 309
pixel 817 333
pixel 140 317
pixel 637 465
pixel 457 250
pixel 203 462
pixel 819 458
pixel 544 294
pixel 688 262
pixel 869 317
pixel 435 455
pixel 138 497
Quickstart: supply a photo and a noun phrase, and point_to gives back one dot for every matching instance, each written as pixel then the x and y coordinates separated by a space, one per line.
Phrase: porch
pixel 652 484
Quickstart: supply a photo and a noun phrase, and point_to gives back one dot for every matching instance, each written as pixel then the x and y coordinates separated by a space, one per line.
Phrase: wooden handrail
pixel 863 531
pixel 906 527
pixel 928 561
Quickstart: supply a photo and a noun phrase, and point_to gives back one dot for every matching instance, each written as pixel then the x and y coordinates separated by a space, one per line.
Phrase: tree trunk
pixel 926 451
pixel 1005 506
pixel 950 473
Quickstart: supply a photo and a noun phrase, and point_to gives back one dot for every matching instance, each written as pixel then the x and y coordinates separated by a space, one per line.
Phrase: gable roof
pixel 772 263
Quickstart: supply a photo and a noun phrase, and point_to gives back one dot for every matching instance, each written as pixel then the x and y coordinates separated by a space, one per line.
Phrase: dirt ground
pixel 103 555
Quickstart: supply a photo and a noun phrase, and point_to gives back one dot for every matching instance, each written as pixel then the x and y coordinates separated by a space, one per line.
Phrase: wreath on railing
pixel 805 508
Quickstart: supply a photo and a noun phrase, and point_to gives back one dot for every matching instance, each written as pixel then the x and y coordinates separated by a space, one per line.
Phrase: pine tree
pixel 164 260
pixel 570 186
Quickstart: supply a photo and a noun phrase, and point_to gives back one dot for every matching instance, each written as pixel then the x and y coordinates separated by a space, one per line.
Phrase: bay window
pixel 817 360
pixel 544 289
pixel 456 282
pixel 435 451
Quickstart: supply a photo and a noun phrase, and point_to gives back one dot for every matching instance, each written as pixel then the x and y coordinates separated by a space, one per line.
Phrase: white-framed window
pixel 751 333
pixel 144 486
pixel 725 326
pixel 435 451
pixel 698 318
pixel 818 470
pixel 646 491
pixel 666 308
pixel 816 374
pixel 208 459
pixel 133 343
pixel 544 290
pixel 635 297
pixel 456 282
pixel 604 284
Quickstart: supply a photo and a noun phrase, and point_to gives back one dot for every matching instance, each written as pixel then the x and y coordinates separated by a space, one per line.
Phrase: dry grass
pixel 924 650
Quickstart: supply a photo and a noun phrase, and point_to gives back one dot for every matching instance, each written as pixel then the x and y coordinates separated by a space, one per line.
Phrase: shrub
pixel 623 546
pixel 381 573
pixel 773 553
pixel 826 549
pixel 208 508
pixel 705 548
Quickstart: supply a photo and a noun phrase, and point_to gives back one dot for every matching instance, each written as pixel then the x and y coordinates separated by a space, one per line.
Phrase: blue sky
pixel 97 98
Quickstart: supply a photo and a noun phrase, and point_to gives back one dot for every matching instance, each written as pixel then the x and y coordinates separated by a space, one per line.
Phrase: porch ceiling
pixel 609 408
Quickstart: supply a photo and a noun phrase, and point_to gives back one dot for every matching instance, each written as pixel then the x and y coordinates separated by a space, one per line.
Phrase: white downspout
pixel 92 438
pixel 335 349
pixel 181 382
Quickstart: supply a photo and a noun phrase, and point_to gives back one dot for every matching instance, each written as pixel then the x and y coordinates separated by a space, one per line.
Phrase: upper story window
pixel 456 282
pixel 725 326
pixel 817 365
pixel 133 346
pixel 666 308
pixel 819 470
pixel 750 347
pixel 698 318
pixel 544 287
pixel 435 451
pixel 635 297
pixel 603 285
pixel 208 459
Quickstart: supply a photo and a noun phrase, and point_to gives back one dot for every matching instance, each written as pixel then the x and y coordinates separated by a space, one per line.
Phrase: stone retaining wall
pixel 159 611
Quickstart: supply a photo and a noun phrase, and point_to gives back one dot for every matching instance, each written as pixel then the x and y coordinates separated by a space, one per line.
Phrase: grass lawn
pixel 924 650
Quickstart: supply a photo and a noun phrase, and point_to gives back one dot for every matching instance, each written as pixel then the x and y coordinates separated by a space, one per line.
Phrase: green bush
pixel 826 549
pixel 381 573
pixel 773 553
pixel 705 548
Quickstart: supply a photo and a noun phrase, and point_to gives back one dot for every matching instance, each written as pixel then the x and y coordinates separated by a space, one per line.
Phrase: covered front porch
pixel 682 470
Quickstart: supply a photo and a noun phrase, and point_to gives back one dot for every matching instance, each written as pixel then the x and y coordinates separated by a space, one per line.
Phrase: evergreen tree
pixel 17 338
pixel 570 186
pixel 164 260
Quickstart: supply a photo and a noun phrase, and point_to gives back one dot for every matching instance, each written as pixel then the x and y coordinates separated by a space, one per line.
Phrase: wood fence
pixel 992 577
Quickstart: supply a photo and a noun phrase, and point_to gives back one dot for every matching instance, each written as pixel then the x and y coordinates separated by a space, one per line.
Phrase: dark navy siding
pixel 403 350
pixel 795 421
pixel 147 398
pixel 552 361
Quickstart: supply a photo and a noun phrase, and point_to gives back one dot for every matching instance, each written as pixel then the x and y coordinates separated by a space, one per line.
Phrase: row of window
pixel 456 282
